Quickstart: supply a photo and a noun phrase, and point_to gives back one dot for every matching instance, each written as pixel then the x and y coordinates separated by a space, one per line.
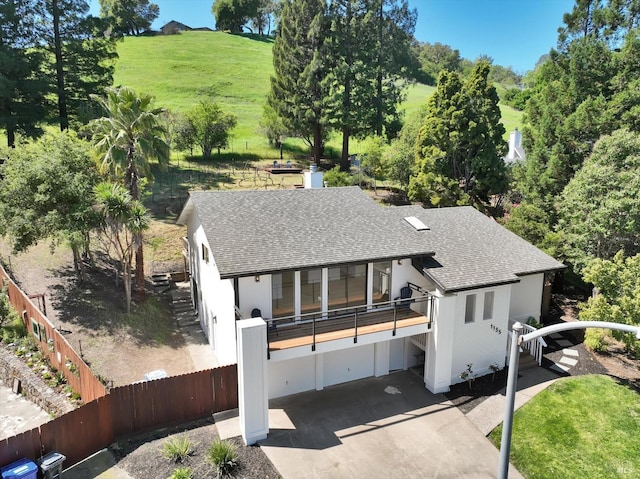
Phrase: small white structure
pixel 516 152
pixel 313 178
pixel 350 289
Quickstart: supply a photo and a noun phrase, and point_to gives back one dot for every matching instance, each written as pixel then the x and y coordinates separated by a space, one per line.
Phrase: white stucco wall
pixel 482 342
pixel 255 294
pixel 403 273
pixel 216 304
pixel 526 297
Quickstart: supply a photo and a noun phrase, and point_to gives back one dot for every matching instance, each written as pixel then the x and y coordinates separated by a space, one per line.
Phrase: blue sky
pixel 513 32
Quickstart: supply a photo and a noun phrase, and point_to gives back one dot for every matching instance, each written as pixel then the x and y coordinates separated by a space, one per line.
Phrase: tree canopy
pixel 46 193
pixel 599 210
pixel 460 145
pixel 297 94
pixel 207 126
pixel 129 17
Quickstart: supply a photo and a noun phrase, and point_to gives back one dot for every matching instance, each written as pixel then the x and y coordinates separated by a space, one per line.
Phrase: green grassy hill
pixel 232 70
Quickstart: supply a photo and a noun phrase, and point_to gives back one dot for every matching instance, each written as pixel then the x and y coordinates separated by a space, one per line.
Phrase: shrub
pixel 224 456
pixel 335 177
pixel 177 448
pixel 468 375
pixel 181 473
pixel 595 339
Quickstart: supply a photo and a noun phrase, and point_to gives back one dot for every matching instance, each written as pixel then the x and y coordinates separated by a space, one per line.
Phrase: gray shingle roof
pixel 473 250
pixel 254 232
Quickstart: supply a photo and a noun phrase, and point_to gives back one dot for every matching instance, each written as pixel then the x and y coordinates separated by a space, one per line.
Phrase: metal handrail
pixel 314 317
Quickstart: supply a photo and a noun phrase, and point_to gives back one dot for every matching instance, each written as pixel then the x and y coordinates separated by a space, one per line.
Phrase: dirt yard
pixel 92 314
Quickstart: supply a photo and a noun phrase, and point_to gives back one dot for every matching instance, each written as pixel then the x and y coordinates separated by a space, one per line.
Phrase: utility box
pixel 21 469
pixel 51 465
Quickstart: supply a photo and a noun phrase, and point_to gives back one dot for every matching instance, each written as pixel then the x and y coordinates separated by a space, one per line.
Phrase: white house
pixel 351 289
pixel 516 152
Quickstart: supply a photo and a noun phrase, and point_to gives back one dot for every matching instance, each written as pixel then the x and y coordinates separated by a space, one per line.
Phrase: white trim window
pixel 487 310
pixel 470 308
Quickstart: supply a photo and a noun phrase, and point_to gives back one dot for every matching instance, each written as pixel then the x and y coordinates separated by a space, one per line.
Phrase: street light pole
pixel 510 399
pixel 512 378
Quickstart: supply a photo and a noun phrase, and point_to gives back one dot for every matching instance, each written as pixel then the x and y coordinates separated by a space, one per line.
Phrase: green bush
pixel 335 177
pixel 224 456
pixel 177 448
pixel 595 339
pixel 13 331
pixel 181 473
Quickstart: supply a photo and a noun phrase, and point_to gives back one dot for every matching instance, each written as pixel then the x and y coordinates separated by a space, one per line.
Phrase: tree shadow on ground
pixel 96 307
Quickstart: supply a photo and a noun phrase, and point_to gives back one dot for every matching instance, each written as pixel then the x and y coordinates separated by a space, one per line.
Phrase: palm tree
pixel 122 220
pixel 127 138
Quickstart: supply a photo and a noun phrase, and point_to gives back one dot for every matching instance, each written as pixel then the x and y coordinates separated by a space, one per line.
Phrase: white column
pixel 381 359
pixel 439 355
pixel 253 403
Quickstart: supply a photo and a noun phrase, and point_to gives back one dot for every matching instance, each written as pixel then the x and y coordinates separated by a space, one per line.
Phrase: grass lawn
pixel 581 427
pixel 234 71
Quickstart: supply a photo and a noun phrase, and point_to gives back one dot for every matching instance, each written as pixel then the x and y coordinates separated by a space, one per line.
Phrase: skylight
pixel 416 223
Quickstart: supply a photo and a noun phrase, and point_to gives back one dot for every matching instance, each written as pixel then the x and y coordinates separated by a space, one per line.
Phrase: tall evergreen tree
pixel 346 51
pixel 297 94
pixel 460 145
pixel 23 87
pixel 392 25
pixel 83 56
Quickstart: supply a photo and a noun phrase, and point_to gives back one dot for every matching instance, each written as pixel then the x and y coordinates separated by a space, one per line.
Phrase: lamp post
pixel 512 378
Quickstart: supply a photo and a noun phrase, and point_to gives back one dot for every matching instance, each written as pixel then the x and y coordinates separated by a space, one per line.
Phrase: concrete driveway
pixel 377 427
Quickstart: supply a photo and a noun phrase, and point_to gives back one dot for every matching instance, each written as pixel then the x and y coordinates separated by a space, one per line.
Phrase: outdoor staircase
pixel 185 315
pixel 161 282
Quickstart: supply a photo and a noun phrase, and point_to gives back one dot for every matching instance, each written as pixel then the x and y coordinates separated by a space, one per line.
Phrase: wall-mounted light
pixel 257 278
pixel 399 261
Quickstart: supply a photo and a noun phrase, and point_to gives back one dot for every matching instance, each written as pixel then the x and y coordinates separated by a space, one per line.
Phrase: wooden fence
pixel 53 345
pixel 114 415
pixel 127 411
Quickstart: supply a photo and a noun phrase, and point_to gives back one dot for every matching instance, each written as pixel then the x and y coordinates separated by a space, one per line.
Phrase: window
pixel 205 253
pixel 283 294
pixel 488 305
pixel 470 309
pixel 310 290
pixel 347 286
pixel 381 281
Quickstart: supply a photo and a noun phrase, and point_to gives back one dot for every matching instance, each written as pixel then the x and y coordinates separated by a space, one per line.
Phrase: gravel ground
pixel 141 456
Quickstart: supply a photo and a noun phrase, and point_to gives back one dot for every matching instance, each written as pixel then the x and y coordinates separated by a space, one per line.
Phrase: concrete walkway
pixel 490 413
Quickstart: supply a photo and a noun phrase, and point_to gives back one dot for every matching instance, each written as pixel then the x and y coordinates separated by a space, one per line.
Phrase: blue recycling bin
pixel 21 469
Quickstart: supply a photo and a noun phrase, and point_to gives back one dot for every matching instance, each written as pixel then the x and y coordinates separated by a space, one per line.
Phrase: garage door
pixel 348 365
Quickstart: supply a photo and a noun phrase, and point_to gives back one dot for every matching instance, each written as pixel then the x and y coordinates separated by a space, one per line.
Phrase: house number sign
pixel 496 329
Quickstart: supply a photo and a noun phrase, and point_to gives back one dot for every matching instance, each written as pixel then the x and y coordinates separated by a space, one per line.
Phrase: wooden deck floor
pixel 294 335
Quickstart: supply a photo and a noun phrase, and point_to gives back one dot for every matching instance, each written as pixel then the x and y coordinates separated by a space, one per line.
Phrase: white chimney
pixel 313 178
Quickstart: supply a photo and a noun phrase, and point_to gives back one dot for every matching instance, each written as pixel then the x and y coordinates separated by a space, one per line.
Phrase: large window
pixel 283 294
pixel 470 308
pixel 381 281
pixel 310 290
pixel 347 286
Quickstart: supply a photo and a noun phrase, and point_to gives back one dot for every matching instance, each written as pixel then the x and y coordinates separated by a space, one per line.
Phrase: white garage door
pixel 348 365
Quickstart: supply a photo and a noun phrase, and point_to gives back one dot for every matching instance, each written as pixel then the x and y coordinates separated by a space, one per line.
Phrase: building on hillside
pixel 351 289
pixel 516 152
pixel 173 27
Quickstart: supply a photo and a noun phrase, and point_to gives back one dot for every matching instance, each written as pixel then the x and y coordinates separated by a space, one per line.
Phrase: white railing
pixel 534 346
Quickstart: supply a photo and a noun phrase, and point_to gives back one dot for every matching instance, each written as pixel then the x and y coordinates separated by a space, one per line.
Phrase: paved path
pixel 18 414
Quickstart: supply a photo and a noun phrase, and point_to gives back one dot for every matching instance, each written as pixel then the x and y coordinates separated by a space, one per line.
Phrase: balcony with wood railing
pixel 352 322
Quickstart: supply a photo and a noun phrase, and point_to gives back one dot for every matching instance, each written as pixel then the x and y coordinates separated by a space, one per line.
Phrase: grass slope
pixel 587 426
pixel 232 70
